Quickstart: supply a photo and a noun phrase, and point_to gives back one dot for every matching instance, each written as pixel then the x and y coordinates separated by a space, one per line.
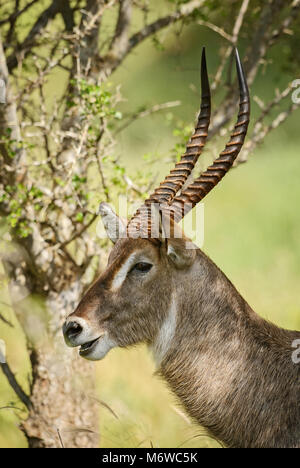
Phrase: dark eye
pixel 142 267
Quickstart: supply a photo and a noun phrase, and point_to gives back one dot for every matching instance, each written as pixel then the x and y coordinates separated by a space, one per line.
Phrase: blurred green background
pixel 252 228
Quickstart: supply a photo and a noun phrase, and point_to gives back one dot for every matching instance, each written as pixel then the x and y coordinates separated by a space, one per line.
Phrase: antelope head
pixel 131 301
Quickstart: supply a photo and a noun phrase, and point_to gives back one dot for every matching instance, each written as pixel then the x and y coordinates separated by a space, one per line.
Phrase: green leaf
pixel 79 217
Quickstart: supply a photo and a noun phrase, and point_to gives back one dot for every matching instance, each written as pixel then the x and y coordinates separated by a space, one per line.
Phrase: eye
pixel 142 267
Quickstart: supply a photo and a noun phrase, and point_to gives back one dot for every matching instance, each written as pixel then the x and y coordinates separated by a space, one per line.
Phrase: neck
pixel 232 370
pixel 166 333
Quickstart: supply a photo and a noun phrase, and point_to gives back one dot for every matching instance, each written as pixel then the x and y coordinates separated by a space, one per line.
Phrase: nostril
pixel 72 329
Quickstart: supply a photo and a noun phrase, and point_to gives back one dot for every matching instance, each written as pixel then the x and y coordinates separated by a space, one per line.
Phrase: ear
pixel 181 252
pixel 114 225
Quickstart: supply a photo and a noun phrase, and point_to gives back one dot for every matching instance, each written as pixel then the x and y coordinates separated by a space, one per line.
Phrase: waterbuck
pixel 231 370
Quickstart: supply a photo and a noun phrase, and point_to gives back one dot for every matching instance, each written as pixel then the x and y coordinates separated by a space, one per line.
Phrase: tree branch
pixel 145 112
pixel 15 15
pixel 24 48
pixel 234 39
pixel 15 386
pixel 68 15
pixel 80 232
pixel 260 132
pixel 112 61
pixel 119 43
pixel 295 7
pixel 5 321
pixel 9 121
pixel 216 29
pixel 263 38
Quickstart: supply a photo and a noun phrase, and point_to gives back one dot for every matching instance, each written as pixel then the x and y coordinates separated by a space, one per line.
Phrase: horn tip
pixel 203 57
pixel 204 75
pixel 241 74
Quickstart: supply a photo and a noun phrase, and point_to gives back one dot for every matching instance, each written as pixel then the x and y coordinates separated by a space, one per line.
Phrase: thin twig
pixel 216 29
pixel 294 11
pixel 60 439
pixel 11 407
pixel 79 233
pixel 6 321
pixel 24 48
pixel 105 405
pixel 260 135
pixel 17 13
pixel 144 113
pixel 99 165
pixel 267 109
pixel 234 38
pixel 253 59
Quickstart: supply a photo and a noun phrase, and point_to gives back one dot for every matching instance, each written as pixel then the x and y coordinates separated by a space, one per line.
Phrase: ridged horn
pixel 183 168
pixel 201 186
pixel 167 190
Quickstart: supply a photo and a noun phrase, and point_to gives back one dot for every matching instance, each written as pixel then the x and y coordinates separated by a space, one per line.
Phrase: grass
pixel 146 414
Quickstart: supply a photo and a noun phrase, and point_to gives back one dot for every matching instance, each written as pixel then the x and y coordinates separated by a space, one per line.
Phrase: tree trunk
pixel 64 412
pixel 63 409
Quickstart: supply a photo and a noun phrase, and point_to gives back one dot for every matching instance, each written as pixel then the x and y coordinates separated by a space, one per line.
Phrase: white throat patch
pixel 163 340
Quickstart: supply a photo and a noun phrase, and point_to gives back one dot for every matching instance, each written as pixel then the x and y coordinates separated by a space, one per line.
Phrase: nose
pixel 71 330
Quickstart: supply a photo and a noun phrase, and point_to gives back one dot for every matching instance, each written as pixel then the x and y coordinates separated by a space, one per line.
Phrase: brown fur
pixel 232 371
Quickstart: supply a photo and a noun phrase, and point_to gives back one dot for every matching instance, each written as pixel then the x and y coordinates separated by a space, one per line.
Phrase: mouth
pixel 86 348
